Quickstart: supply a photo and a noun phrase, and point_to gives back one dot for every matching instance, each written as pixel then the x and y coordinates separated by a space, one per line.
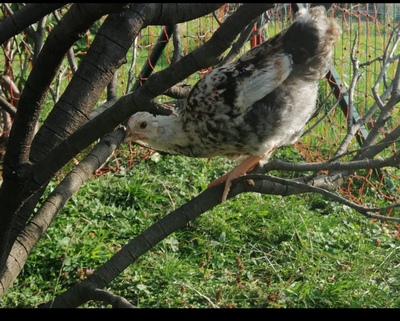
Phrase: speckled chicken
pixel 248 108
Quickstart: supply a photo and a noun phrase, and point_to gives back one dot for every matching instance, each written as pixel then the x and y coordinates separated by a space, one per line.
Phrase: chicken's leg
pixel 240 170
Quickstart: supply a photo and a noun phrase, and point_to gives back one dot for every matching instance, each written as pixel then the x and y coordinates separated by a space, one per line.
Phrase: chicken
pixel 248 108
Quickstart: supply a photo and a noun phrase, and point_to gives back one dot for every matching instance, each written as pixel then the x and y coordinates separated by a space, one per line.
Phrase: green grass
pixel 253 251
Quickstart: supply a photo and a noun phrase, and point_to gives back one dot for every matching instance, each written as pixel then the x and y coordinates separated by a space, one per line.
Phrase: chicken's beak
pixel 131 135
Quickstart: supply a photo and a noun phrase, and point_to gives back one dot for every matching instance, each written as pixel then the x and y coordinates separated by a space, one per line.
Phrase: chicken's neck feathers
pixel 170 135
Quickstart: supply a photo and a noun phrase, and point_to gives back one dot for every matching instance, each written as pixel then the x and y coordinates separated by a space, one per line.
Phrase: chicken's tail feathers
pixel 311 37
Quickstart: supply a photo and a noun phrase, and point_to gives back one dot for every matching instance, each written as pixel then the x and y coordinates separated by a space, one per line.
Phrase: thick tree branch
pixel 54 203
pixel 16 170
pixel 31 13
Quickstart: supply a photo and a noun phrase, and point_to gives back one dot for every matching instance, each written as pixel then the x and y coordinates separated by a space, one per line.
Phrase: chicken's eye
pixel 143 125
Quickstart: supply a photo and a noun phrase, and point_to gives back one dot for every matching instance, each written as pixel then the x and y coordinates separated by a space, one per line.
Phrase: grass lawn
pixel 253 251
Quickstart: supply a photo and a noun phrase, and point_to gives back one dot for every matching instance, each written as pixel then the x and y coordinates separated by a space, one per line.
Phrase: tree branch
pixel 291 187
pixel 107 297
pixel 180 217
pixel 4 104
pixel 31 13
pixel 42 219
pixel 332 165
pixel 17 170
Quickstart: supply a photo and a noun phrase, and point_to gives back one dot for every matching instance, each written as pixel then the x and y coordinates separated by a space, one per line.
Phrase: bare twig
pixel 388 58
pixel 352 127
pixel 394 88
pixel 131 71
pixel 176 40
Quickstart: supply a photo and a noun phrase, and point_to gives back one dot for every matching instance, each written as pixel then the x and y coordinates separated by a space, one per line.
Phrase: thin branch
pixel 375 149
pixel 4 104
pixel 131 70
pixel 176 41
pixel 301 187
pixel 352 127
pixel 387 61
pixel 394 88
pixel 370 62
pixel 112 87
pixel 386 111
pixel 368 163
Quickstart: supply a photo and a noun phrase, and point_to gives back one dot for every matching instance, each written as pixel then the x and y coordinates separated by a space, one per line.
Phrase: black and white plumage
pixel 252 106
